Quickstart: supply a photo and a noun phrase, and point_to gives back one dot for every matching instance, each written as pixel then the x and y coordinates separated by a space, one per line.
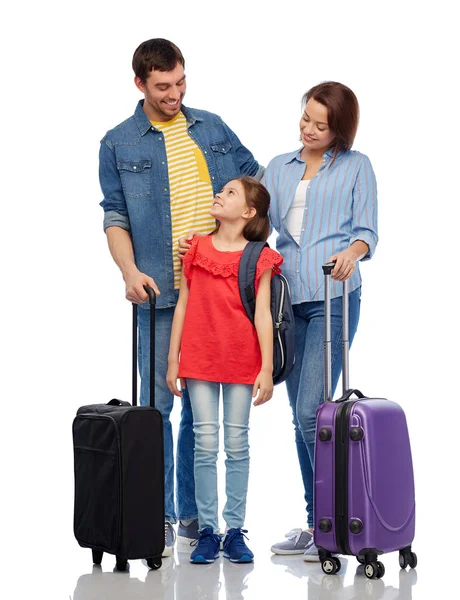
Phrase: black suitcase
pixel 119 473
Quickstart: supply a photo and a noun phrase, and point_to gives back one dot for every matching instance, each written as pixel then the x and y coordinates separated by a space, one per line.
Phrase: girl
pixel 214 344
pixel 324 208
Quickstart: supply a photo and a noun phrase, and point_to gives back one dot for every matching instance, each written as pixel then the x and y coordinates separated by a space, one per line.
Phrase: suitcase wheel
pixel 154 562
pixel 121 563
pixel 331 565
pixel 97 557
pixel 407 559
pixel 374 570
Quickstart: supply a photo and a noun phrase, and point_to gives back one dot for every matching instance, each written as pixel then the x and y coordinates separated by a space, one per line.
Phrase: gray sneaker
pixel 311 552
pixel 188 533
pixel 296 543
pixel 170 539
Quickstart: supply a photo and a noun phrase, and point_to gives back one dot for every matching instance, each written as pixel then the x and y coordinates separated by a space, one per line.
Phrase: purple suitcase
pixel 364 501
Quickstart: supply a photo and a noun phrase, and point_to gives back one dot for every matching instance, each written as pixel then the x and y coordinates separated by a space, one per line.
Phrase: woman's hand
pixel 345 264
pixel 263 383
pixel 184 243
pixel 171 378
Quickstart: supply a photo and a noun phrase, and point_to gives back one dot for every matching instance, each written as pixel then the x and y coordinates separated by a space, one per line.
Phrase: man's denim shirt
pixel 133 172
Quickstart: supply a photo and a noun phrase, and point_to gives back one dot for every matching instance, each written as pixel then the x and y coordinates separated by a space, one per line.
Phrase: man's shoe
pixel 296 543
pixel 188 533
pixel 170 539
pixel 235 547
pixel 207 547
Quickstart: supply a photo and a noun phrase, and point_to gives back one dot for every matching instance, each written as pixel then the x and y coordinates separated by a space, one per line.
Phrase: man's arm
pixel 121 249
pixel 117 227
pixel 246 161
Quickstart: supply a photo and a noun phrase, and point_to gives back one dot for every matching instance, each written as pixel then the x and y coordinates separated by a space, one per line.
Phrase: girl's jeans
pixel 237 399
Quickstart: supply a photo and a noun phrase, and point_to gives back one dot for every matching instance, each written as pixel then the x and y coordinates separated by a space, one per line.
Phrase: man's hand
pixel 135 281
pixel 263 383
pixel 184 243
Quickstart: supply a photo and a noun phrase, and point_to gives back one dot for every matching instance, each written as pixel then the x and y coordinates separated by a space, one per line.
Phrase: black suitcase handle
pixel 152 302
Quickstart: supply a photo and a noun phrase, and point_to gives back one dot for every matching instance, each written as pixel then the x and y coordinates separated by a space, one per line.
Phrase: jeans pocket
pixel 135 178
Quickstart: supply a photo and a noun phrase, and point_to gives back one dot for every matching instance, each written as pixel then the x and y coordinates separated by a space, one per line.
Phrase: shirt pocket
pixel 223 159
pixel 135 177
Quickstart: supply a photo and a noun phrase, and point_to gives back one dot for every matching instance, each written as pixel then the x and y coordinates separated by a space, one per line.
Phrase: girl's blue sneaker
pixel 235 547
pixel 207 547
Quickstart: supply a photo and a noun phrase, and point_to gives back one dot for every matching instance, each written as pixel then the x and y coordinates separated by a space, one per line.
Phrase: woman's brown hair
pixel 342 112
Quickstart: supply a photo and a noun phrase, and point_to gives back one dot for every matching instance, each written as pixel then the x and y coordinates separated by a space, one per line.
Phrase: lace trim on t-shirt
pixel 268 259
pixel 214 267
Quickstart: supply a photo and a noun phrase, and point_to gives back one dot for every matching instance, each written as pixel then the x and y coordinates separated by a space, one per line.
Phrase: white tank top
pixel 295 215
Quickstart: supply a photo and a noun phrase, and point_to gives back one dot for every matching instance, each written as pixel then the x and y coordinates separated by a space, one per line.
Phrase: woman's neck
pixel 312 155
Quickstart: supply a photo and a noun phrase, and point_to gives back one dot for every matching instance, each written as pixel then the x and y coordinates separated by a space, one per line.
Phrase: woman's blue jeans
pixel 305 385
pixel 237 400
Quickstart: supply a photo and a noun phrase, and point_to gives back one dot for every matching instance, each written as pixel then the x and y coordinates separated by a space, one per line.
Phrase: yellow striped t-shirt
pixel 189 183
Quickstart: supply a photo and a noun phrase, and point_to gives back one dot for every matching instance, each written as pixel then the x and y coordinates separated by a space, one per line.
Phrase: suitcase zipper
pixel 342 426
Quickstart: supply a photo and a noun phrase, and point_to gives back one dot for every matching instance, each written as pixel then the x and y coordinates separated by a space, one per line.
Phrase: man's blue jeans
pixel 237 400
pixel 305 385
pixel 185 492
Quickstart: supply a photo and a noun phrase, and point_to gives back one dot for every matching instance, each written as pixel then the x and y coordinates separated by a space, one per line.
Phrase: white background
pixel 65 326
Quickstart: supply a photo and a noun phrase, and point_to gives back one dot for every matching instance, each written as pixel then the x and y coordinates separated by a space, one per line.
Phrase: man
pixel 159 171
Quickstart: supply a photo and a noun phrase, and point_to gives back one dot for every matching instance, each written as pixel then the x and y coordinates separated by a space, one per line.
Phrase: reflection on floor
pixel 277 577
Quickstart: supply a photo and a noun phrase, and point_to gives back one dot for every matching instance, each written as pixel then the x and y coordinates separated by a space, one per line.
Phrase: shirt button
pixel 163 162
pixel 213 178
pixel 205 152
pixel 297 271
pixel 134 167
pixel 167 217
pixel 166 189
pixel 160 138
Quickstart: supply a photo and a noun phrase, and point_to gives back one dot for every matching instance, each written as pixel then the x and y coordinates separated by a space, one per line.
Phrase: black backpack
pixel 280 305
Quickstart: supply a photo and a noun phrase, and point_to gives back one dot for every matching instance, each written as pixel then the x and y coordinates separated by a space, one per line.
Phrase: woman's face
pixel 314 129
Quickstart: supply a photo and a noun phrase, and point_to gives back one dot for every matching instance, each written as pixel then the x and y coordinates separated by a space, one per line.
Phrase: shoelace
pixel 235 533
pixel 309 545
pixel 202 537
pixel 294 534
pixel 167 525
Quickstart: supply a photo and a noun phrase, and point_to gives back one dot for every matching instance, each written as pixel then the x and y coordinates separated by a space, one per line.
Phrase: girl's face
pixel 230 203
pixel 314 129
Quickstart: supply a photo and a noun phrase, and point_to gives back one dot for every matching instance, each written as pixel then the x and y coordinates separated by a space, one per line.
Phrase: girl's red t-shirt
pixel 219 342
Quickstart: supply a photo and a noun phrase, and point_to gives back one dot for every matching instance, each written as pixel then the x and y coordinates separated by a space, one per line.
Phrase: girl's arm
pixel 264 328
pixel 176 337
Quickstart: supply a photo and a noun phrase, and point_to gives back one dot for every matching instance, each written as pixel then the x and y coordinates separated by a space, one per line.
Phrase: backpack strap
pixel 247 276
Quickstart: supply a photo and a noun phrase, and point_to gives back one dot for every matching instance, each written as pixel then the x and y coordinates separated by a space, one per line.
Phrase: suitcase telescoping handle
pixel 346 391
pixel 152 303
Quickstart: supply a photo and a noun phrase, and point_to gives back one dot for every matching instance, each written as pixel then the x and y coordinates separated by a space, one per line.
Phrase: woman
pixel 324 208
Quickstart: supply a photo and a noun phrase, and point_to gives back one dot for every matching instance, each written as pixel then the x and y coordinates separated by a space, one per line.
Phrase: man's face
pixel 163 92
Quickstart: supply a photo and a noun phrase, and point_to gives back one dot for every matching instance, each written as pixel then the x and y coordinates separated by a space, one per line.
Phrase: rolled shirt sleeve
pixel 114 203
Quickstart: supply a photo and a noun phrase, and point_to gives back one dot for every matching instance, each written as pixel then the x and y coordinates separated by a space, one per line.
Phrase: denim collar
pixel 143 123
